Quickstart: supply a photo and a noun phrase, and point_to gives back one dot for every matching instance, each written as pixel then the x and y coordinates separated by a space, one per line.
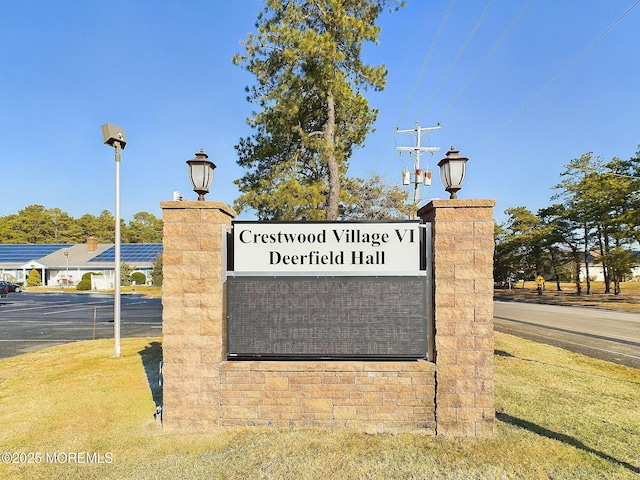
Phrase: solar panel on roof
pixel 131 252
pixel 11 253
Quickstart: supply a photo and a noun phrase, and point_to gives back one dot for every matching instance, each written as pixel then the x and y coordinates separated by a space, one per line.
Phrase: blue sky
pixel 162 70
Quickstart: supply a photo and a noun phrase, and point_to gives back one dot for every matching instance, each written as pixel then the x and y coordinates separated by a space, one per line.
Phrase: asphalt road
pixel 33 321
pixel 606 334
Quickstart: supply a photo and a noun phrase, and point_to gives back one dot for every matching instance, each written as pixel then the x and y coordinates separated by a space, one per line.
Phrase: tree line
pixel 594 220
pixel 36 224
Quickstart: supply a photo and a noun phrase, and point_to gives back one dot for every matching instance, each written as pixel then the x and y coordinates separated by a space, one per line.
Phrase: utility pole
pixel 419 176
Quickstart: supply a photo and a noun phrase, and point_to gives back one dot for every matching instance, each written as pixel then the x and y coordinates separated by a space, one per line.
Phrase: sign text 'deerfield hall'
pixel 330 247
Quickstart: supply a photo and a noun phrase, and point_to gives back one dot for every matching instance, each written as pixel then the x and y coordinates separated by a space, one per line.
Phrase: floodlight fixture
pixel 112 134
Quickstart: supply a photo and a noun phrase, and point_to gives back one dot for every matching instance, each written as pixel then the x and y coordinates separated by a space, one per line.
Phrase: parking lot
pixel 32 321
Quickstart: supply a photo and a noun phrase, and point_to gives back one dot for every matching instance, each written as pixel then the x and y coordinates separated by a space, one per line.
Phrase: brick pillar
pixel 463 244
pixel 193 313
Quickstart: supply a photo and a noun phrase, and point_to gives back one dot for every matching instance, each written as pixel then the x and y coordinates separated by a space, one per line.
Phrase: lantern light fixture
pixel 452 172
pixel 201 173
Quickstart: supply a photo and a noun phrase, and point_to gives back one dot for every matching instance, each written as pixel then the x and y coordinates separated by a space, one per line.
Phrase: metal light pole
pixel 66 254
pixel 114 136
pixel 117 269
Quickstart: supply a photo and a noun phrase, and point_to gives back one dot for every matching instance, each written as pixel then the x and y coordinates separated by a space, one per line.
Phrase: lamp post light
pixel 201 174
pixel 114 136
pixel 452 172
pixel 66 280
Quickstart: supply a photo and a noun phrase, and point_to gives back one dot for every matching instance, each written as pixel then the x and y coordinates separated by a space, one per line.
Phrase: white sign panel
pixel 343 248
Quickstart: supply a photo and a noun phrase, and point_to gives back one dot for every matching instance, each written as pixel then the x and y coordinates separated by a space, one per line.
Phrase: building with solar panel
pixel 63 264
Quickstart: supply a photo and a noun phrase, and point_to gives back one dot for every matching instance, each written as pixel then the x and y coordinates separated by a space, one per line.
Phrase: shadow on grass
pixel 151 357
pixel 574 442
pixel 503 353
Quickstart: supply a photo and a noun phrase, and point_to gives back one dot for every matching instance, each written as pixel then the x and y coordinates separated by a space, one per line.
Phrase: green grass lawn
pixel 560 415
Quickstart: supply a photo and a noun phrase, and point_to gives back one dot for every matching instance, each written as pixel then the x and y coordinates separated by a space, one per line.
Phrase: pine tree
pixel 306 57
pixel 34 279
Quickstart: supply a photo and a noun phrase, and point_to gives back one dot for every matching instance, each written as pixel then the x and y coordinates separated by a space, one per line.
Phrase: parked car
pixel 14 287
pixel 4 289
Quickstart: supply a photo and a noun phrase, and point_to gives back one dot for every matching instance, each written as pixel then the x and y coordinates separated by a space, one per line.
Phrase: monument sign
pixel 331 290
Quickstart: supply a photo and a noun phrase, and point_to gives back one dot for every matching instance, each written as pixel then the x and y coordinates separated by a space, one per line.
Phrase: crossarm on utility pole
pixel 417 150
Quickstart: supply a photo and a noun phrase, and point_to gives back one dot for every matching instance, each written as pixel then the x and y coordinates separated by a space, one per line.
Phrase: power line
pixel 486 58
pixel 455 61
pixel 459 94
pixel 555 79
pixel 417 82
pixel 426 60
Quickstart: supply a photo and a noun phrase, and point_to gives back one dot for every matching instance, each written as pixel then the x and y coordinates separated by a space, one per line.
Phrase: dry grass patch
pixel 146 290
pixel 628 299
pixel 561 415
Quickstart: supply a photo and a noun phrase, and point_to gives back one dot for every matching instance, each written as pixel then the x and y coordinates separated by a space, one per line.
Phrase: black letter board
pixel 326 317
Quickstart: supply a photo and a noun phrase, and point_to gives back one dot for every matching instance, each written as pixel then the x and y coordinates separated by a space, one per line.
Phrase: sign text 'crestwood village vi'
pixel 327 247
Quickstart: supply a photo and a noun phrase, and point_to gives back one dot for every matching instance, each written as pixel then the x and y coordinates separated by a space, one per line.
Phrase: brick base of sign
pixel 452 396
pixel 366 396
pixel 372 397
